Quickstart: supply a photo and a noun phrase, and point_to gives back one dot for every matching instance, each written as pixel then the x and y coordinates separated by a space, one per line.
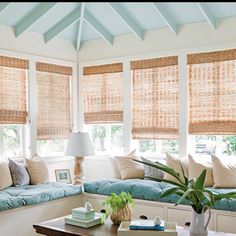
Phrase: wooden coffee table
pixel 57 227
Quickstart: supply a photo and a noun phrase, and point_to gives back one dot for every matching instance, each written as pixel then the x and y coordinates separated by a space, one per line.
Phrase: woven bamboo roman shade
pixel 103 99
pixel 54 101
pixel 212 92
pixel 13 79
pixel 155 98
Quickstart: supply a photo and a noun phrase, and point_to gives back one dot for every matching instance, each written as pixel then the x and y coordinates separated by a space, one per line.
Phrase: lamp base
pixel 79 177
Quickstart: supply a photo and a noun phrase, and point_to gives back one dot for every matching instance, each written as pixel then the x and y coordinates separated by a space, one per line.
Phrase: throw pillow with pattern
pixel 20 176
pixel 150 171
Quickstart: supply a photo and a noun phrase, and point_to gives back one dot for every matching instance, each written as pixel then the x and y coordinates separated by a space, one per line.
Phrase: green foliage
pixel 116 202
pixel 192 190
pixel 230 144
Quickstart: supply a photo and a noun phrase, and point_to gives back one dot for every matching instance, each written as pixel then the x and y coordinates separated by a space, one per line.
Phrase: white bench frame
pixel 222 221
pixel 19 221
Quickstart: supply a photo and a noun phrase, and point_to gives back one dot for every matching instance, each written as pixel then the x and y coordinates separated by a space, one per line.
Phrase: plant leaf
pixel 169 192
pixel 162 167
pixel 184 196
pixel 199 184
pixel 181 186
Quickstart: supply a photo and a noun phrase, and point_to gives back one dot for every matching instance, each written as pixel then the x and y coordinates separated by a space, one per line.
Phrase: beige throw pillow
pixel 196 165
pixel 5 176
pixel 173 161
pixel 130 169
pixel 38 170
pixel 224 172
pixel 116 171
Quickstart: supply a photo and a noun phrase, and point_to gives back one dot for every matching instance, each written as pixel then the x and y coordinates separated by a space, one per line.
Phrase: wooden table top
pixel 57 227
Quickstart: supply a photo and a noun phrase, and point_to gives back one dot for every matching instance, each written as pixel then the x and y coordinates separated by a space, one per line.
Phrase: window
pixel 12 140
pixel 106 138
pixel 13 105
pixel 53 147
pixel 214 144
pixel 103 106
pixel 54 108
pixel 159 147
pixel 212 93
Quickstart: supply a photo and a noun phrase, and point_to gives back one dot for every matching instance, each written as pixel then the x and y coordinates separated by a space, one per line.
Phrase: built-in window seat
pixel 21 207
pixel 148 202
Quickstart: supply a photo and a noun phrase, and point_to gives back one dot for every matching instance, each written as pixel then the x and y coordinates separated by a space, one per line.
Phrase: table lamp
pixel 79 145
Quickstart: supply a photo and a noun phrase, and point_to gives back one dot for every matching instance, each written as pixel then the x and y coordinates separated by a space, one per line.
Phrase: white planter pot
pixel 198 226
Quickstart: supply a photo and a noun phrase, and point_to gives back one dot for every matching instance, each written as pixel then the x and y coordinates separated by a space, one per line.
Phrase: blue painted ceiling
pixel 107 20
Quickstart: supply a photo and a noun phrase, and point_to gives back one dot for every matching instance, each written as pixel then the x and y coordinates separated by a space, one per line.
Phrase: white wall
pixel 33 43
pixel 161 40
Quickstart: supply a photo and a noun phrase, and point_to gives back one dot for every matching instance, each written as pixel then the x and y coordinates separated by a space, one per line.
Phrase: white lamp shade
pixel 79 145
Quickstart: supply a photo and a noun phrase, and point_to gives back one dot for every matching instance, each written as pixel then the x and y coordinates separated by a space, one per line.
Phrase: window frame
pixel 29 130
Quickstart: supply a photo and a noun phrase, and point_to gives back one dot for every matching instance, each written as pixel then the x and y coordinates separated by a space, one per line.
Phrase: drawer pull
pixel 187 223
pixel 143 217
pixel 103 211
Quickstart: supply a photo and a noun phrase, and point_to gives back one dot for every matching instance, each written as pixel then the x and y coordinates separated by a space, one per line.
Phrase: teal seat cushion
pixel 148 190
pixel 14 197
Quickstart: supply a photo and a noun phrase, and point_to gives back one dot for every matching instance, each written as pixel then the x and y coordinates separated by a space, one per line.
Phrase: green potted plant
pixel 119 207
pixel 194 191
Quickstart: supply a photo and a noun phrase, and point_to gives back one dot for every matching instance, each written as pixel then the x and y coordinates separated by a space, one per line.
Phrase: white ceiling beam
pixel 78 41
pixel 63 24
pixel 125 17
pixel 171 23
pixel 207 14
pixel 32 17
pixel 98 27
pixel 3 5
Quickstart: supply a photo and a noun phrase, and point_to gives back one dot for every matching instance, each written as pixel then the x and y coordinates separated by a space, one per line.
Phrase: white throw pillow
pixel 5 176
pixel 196 165
pixel 129 169
pixel 173 161
pixel 38 170
pixel 224 172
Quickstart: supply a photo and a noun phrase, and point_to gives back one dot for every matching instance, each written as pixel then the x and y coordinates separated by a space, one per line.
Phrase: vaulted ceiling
pixel 79 21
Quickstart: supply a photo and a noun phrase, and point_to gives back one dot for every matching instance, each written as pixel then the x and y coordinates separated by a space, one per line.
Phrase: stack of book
pixel 146 225
pixel 83 218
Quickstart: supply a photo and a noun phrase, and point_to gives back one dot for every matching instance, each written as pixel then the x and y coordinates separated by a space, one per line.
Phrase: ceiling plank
pixel 171 23
pixel 3 5
pixel 207 14
pixel 71 18
pixel 133 26
pixel 32 17
pixel 78 41
pixel 98 27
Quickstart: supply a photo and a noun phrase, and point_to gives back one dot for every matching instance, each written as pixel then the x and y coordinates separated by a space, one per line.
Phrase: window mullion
pixel 127 95
pixel 1 142
pixel 183 105
pixel 32 98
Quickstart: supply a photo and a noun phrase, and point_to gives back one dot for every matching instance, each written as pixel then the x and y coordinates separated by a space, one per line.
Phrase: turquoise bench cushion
pixel 14 197
pixel 148 190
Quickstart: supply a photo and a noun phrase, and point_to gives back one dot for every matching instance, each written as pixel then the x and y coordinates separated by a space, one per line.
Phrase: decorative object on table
pixel 169 230
pixel 79 145
pixel 119 207
pixel 84 217
pixel 63 175
pixel 194 192
pixel 155 224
